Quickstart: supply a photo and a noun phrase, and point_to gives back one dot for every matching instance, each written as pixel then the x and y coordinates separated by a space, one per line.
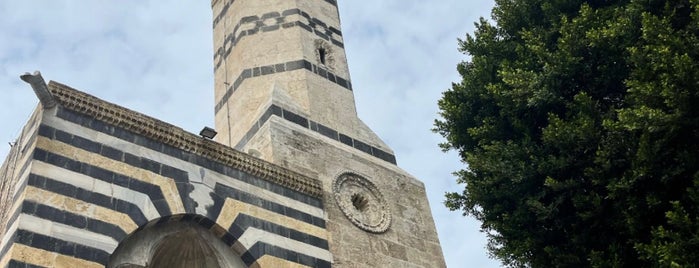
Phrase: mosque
pixel 289 176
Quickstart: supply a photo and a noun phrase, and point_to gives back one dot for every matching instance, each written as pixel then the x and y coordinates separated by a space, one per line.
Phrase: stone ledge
pixel 176 137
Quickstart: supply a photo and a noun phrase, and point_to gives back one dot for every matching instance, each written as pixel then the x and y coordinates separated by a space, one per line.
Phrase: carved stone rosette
pixel 362 203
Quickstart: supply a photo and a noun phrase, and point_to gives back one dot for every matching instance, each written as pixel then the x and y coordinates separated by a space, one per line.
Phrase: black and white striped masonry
pixel 99 174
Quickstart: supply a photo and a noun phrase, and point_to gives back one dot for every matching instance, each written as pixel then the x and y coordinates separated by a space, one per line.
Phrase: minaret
pixel 283 93
pixel 286 57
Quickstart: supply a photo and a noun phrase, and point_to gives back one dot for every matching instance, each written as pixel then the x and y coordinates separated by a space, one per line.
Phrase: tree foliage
pixel 579 122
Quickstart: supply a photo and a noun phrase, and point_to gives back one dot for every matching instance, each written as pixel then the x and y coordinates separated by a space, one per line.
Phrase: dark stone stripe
pixel 201 161
pixel 260 249
pixel 180 177
pixel 272 69
pixel 317 127
pixel 88 196
pixel 244 221
pixel 19 264
pixel 154 192
pixel 295 118
pixel 223 12
pixel 74 220
pixel 221 192
pixel 110 152
pixel 228 4
pixel 62 247
pixel 252 180
pixel 312 25
pixel 185 190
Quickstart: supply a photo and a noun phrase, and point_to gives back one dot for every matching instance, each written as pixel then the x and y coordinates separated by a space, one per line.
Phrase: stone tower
pixel 294 178
pixel 283 93
pixel 288 55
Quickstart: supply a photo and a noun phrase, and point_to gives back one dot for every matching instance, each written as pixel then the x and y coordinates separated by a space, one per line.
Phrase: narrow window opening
pixel 321 54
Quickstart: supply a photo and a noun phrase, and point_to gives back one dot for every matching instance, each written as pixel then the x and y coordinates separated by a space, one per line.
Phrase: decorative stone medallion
pixel 362 203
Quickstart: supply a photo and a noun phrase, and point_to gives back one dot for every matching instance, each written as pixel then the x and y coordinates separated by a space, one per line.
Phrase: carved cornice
pixel 171 135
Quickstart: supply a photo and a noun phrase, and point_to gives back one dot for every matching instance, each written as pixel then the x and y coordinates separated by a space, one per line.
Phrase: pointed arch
pixel 184 240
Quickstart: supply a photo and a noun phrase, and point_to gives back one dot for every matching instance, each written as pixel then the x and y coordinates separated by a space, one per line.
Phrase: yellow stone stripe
pixel 231 208
pixel 80 207
pixel 71 262
pixel 45 258
pixel 168 186
pixel 272 261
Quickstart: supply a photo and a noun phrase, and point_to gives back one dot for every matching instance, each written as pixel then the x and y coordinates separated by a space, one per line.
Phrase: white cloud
pixel 156 57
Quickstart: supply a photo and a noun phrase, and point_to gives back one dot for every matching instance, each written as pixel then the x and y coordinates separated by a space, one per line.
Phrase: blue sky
pixel 155 57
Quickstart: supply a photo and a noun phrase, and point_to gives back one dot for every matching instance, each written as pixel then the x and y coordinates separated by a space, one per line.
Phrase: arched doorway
pixel 174 244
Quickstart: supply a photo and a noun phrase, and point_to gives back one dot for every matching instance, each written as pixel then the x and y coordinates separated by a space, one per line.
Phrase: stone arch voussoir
pixel 188 240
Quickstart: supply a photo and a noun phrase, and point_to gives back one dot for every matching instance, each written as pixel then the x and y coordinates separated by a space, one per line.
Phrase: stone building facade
pixel 293 179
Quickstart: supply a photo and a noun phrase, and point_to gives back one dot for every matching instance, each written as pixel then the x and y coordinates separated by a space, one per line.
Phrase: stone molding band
pixel 280 68
pixel 312 25
pixel 176 137
pixel 316 127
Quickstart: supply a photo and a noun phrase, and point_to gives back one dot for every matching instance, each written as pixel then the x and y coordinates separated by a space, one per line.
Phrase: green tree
pixel 579 122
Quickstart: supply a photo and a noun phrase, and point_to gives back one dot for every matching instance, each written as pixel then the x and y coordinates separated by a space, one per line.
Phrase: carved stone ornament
pixel 362 203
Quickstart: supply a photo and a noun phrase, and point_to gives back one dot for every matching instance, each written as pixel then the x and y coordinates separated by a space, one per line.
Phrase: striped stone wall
pixel 13 180
pixel 97 174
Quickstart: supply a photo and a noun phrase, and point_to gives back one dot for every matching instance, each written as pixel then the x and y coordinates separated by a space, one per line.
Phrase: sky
pixel 155 57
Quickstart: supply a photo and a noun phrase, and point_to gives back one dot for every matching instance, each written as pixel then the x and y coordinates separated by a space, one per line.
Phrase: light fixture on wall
pixel 208 133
